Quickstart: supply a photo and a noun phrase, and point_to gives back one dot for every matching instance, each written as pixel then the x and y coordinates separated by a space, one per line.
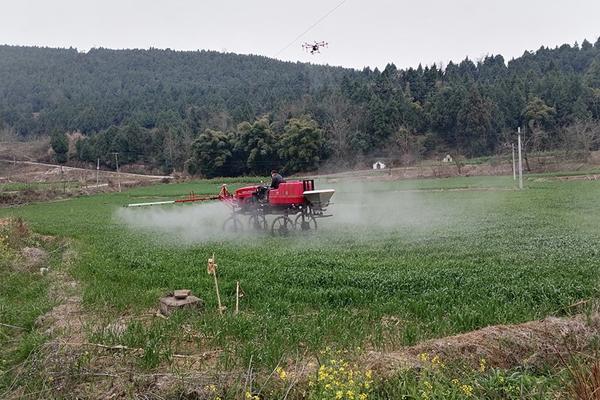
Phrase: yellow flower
pixel 423 357
pixel 350 394
pixel 467 390
pixel 250 397
pixel 281 372
pixel 369 374
pixel 339 394
pixel 428 385
pixel 363 396
pixel 482 365
pixel 455 382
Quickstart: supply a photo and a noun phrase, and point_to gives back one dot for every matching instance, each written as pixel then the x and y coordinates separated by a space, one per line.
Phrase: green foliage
pixel 473 124
pixel 300 146
pixel 210 153
pixel 538 114
pixel 256 143
pixel 434 380
pixel 592 75
pixel 60 145
pixel 23 298
pixel 154 115
pixel 340 380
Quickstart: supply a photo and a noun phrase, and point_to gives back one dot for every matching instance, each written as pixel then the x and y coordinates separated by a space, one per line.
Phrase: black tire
pixel 257 223
pixel 305 222
pixel 282 226
pixel 233 224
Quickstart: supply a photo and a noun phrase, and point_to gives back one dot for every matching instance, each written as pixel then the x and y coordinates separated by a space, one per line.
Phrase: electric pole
pixel 62 178
pixel 118 173
pixel 514 167
pixel 520 160
pixel 98 169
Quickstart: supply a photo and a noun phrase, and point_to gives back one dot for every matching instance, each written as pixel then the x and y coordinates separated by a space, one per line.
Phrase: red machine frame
pixel 296 199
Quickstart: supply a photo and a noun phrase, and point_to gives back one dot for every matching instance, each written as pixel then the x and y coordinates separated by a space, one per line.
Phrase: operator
pixel 276 179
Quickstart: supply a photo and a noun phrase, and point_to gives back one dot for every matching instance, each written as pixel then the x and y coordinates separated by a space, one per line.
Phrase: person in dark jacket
pixel 276 179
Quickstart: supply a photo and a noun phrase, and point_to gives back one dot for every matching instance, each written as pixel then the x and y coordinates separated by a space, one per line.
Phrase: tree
pixel 210 153
pixel 582 136
pixel 60 145
pixel 153 115
pixel 592 75
pixel 539 117
pixel 256 143
pixel 410 146
pixel 301 145
pixel 474 124
pixel 443 109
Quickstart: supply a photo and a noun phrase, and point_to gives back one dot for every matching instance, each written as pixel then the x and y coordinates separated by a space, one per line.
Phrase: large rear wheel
pixel 233 224
pixel 258 222
pixel 305 222
pixel 282 226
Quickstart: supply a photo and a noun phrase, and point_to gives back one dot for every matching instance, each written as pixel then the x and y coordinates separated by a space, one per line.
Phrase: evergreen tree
pixel 301 145
pixel 474 124
pixel 210 153
pixel 60 145
pixel 256 142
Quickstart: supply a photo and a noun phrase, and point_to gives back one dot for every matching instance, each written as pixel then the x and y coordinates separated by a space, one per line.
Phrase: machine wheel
pixel 282 226
pixel 258 223
pixel 233 224
pixel 305 222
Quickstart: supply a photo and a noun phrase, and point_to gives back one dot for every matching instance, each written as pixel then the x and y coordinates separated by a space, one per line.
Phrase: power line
pixel 310 27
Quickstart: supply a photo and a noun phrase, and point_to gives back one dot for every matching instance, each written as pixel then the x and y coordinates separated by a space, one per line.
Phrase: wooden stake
pixel 218 295
pixel 212 269
pixel 237 297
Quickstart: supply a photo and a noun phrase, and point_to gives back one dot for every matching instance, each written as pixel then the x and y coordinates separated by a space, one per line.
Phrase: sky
pixel 360 33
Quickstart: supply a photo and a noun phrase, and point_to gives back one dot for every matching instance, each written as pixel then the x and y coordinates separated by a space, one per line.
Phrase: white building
pixel 378 165
pixel 447 159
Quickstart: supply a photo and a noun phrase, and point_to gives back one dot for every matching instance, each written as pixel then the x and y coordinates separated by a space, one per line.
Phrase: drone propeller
pixel 314 47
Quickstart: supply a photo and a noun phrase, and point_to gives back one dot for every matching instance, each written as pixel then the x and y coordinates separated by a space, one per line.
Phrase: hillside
pixel 228 114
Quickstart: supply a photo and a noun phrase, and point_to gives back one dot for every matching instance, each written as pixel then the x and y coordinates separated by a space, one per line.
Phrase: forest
pixel 223 114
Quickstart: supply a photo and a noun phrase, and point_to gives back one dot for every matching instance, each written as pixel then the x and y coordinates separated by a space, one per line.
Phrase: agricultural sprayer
pixel 295 204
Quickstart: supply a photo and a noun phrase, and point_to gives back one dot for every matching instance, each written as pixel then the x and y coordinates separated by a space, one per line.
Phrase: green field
pixel 443 256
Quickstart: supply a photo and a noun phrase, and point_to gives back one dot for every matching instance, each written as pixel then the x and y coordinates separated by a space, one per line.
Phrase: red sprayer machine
pixel 297 205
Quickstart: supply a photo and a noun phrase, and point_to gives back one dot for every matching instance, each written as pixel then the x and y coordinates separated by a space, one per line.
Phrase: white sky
pixel 360 33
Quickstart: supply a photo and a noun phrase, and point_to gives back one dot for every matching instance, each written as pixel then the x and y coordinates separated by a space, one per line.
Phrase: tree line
pixel 226 114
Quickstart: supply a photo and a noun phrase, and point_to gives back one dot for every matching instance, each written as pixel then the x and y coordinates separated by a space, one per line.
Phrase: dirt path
pixel 66 168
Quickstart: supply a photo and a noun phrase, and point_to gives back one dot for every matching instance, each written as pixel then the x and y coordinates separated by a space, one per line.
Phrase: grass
pixel 23 298
pixel 447 262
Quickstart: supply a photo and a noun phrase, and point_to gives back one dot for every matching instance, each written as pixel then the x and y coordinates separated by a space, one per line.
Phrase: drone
pixel 314 48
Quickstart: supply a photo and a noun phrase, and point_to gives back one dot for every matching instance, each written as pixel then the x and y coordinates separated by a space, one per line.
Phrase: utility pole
pixel 520 160
pixel 171 148
pixel 62 178
pixel 514 167
pixel 118 173
pixel 98 169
